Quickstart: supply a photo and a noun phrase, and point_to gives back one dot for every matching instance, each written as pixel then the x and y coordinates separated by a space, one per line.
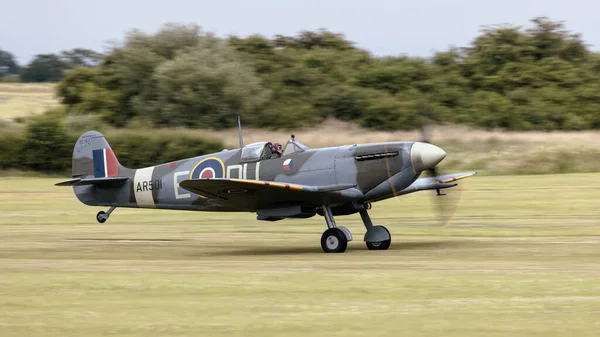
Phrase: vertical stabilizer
pixel 93 157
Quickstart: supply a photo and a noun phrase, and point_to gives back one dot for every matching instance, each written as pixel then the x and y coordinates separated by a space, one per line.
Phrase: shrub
pixel 11 155
pixel 47 147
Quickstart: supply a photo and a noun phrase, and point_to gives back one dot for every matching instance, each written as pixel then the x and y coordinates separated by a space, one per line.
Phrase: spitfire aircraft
pixel 272 181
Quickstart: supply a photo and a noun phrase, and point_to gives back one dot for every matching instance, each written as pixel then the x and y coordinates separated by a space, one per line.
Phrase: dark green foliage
pixel 51 67
pixel 11 155
pixel 8 65
pixel 80 57
pixel 87 90
pixel 541 78
pixel 47 147
pixel 204 87
pixel 177 77
pixel 44 68
pixel 310 40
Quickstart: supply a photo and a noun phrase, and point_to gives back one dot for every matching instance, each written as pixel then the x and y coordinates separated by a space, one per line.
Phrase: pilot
pixel 276 149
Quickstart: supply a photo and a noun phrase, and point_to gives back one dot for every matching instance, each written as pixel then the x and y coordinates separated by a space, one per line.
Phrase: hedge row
pixel 46 146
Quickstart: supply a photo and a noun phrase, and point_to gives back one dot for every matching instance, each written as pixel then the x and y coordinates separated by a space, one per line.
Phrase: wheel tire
pixel 334 240
pixel 100 217
pixel 380 245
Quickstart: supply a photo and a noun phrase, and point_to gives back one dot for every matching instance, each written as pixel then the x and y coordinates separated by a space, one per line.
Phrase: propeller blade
pixel 446 202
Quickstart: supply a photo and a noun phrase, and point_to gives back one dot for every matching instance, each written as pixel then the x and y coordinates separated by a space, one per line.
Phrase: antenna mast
pixel 240 132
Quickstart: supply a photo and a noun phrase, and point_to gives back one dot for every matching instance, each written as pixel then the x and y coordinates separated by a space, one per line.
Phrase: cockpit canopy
pixel 263 150
pixel 256 151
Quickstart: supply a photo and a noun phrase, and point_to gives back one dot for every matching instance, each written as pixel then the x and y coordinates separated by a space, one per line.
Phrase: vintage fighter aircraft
pixel 274 182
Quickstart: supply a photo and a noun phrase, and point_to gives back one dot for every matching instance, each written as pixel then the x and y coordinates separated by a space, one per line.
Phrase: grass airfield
pixel 520 257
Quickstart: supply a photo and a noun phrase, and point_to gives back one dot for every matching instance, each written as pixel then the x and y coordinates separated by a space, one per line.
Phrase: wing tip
pixel 458 176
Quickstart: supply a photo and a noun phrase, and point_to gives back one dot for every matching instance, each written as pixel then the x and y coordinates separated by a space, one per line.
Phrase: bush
pixel 47 147
pixel 11 155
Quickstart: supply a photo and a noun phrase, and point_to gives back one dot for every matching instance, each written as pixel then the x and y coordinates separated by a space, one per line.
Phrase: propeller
pixel 447 203
pixel 446 200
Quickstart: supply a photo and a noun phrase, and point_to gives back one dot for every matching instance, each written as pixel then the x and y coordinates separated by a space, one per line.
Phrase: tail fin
pixel 93 157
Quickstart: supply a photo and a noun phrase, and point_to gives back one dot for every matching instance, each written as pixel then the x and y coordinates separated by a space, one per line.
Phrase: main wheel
pixel 100 217
pixel 334 240
pixel 380 245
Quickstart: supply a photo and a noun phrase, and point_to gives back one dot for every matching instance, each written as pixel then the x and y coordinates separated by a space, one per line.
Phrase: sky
pixel 384 27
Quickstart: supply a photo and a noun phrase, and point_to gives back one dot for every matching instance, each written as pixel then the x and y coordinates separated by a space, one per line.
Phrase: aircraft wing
pixel 435 183
pixel 253 195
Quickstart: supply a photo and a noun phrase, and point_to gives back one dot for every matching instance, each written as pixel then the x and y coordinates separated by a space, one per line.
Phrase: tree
pixel 44 68
pixel 205 85
pixel 80 57
pixel 550 39
pixel 179 76
pixel 51 67
pixel 8 65
pixel 321 38
pixel 536 77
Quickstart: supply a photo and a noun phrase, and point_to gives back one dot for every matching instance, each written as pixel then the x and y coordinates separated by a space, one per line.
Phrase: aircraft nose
pixel 425 156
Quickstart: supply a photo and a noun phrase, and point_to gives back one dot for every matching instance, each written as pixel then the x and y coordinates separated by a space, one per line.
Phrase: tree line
pixel 46 67
pixel 543 77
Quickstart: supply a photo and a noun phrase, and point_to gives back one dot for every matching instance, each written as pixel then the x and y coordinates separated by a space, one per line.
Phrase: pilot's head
pixel 276 148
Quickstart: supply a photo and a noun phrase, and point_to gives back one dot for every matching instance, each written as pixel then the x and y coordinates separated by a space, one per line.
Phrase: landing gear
pixel 376 237
pixel 335 239
pixel 380 245
pixel 102 216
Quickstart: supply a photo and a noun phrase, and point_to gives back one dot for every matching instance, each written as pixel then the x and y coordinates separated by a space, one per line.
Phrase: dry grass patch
pixel 493 152
pixel 25 99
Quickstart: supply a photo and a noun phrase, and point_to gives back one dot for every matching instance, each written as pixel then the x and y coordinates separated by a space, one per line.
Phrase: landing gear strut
pixel 334 239
pixel 102 216
pixel 376 237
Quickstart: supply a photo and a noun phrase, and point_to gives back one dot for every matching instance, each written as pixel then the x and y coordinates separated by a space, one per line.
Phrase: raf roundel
pixel 288 164
pixel 207 172
pixel 211 167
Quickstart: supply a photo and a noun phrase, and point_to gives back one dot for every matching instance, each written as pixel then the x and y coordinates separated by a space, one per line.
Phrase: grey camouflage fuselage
pixel 388 171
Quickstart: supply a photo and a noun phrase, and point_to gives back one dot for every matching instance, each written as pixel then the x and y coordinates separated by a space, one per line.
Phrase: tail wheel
pixel 101 217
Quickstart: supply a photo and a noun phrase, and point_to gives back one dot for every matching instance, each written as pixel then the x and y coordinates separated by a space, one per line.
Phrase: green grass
pixel 521 257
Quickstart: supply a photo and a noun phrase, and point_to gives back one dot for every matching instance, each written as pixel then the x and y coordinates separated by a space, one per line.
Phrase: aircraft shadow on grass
pixel 286 250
